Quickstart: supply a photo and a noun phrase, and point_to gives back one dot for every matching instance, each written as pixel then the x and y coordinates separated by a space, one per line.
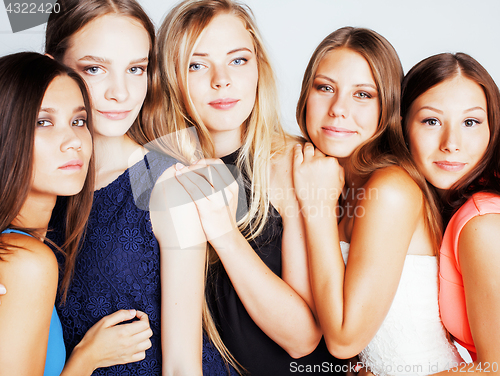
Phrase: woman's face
pixel 448 130
pixel 63 145
pixel 342 110
pixel 223 75
pixel 111 54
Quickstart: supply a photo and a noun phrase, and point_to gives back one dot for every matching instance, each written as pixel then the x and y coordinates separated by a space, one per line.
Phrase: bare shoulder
pixel 29 262
pixel 479 236
pixel 394 186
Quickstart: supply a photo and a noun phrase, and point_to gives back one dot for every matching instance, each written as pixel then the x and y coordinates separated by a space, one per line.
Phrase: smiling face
pixel 223 76
pixel 63 145
pixel 448 130
pixel 111 54
pixel 342 109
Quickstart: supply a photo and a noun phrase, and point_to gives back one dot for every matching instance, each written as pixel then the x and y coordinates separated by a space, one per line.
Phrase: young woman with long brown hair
pixel 45 152
pixel 451 119
pixel 372 227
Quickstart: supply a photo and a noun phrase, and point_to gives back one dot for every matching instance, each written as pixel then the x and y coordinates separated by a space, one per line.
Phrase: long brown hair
pixel 74 15
pixel 22 88
pixel 386 147
pixel 435 70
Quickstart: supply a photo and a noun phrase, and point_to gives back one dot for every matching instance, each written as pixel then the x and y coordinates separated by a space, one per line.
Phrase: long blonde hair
pixel 262 132
pixel 387 146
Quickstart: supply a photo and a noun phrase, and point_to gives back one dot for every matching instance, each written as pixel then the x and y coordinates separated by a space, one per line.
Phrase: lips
pixel 74 164
pixel 338 132
pixel 114 115
pixel 224 103
pixel 450 166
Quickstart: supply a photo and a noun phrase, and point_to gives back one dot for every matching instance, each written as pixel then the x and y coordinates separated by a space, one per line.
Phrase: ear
pixel 49 55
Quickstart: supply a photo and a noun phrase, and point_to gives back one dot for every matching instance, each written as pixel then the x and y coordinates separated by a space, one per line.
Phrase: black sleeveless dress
pixel 259 354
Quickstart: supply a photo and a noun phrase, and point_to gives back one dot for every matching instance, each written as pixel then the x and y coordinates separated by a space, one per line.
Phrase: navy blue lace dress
pixel 118 267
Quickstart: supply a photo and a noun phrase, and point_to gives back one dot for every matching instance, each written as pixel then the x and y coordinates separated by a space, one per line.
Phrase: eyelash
pixel 476 122
pixel 426 121
pixel 87 70
pixel 365 95
pixel 141 69
pixel 39 123
pixel 325 88
pixel 241 59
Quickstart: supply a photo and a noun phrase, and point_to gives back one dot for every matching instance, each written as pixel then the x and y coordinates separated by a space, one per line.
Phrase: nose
pixel 451 139
pixel 71 139
pixel 339 106
pixel 117 89
pixel 220 77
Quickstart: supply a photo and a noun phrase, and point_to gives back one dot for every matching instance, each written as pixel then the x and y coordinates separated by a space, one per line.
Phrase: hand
pixel 214 191
pixel 107 343
pixel 317 178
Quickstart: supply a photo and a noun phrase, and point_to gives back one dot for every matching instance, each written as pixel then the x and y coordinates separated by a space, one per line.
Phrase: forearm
pixel 182 276
pixel 273 305
pixel 79 363
pixel 327 272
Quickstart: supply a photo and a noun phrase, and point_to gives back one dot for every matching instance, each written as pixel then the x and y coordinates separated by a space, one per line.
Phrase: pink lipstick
pixel 338 132
pixel 74 164
pixel 450 166
pixel 114 115
pixel 224 103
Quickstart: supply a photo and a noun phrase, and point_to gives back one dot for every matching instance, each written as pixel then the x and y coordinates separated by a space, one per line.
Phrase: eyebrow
pixel 53 110
pixel 441 112
pixel 102 60
pixel 229 53
pixel 335 82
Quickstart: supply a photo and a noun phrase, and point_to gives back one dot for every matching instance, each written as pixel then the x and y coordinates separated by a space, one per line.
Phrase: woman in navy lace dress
pixel 110 44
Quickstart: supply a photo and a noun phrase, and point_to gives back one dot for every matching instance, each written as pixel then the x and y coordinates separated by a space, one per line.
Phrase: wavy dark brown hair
pixel 386 147
pixel 74 16
pixel 26 76
pixel 435 70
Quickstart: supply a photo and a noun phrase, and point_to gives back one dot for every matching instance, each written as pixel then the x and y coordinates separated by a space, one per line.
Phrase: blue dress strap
pixel 56 351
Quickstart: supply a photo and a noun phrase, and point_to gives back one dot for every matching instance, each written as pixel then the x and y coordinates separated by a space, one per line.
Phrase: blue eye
pixel 195 67
pixel 79 123
pixel 137 70
pixel 239 61
pixel 93 70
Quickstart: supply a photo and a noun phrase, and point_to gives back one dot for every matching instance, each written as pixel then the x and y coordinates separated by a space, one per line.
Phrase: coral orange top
pixel 451 294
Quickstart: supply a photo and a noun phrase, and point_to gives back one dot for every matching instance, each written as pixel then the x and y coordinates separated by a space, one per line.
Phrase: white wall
pixel 293 28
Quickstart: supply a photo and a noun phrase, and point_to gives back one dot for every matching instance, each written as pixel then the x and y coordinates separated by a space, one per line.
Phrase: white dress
pixel 412 339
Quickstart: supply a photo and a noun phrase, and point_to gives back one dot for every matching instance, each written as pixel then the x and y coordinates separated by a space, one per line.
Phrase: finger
pixel 142 346
pixel 223 177
pixel 142 340
pixel 142 316
pixel 308 151
pixel 136 357
pixel 298 156
pixel 198 189
pixel 3 290
pixel 133 328
pixel 118 316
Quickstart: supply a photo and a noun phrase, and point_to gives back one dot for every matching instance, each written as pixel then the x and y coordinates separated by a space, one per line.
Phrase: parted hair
pixel 431 72
pixel 26 77
pixel 387 146
pixel 74 16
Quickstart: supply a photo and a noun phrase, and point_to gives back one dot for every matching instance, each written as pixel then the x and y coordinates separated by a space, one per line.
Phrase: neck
pixel 226 142
pixel 36 212
pixel 115 153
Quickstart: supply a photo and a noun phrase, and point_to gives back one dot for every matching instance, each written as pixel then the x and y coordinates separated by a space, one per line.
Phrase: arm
pixel 182 258
pixel 479 255
pixel 275 306
pixel 31 275
pixel 391 208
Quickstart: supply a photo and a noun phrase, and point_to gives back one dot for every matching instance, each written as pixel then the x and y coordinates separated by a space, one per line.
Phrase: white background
pixel 293 28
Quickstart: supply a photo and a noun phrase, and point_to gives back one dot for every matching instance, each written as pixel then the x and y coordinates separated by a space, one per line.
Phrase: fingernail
pixel 3 290
pixel 179 166
pixel 298 145
pixel 132 312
